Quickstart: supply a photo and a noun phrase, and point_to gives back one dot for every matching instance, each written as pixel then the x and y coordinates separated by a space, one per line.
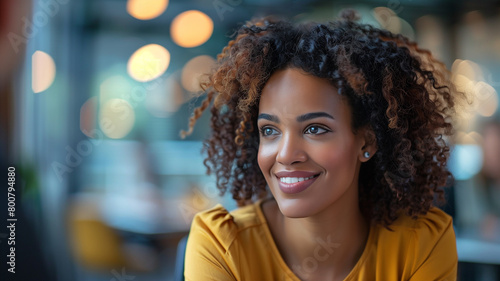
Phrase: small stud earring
pixel 367 154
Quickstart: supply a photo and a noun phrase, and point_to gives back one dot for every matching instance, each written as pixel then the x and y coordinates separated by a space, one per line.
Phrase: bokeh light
pixel 467 68
pixel 191 29
pixel 146 9
pixel 486 102
pixel 116 118
pixel 87 116
pixel 387 19
pixel 468 138
pixel 148 62
pixel 43 71
pixel 468 77
pixel 465 161
pixel 195 71
pixel 463 84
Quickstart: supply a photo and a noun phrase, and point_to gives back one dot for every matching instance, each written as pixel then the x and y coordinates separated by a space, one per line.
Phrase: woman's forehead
pixel 292 91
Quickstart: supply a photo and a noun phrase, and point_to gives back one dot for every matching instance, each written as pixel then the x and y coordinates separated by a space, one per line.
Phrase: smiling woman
pixel 306 138
pixel 343 123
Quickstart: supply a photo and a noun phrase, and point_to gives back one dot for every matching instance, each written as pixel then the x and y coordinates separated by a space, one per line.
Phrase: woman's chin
pixel 293 209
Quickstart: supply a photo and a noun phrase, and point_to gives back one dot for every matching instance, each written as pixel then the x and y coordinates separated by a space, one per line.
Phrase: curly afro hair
pixel 393 87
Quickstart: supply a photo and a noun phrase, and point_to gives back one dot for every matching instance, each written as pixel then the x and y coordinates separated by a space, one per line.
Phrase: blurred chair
pixel 95 245
pixel 179 259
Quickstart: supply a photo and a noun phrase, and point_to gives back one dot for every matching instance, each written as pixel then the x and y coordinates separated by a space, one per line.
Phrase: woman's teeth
pixel 294 180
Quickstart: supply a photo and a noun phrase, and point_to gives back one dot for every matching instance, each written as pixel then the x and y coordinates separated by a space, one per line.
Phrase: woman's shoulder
pixel 224 225
pixel 427 236
pixel 433 224
pixel 224 245
pixel 421 249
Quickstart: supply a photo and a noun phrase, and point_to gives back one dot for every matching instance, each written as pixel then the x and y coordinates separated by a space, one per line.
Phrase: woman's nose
pixel 291 150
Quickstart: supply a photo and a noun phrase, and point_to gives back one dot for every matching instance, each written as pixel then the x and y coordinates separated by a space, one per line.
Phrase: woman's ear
pixel 370 144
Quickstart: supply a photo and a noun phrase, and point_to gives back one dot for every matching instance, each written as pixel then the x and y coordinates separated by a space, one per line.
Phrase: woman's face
pixel 308 152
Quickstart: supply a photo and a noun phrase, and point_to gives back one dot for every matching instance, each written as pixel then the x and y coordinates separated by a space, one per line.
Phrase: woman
pixel 343 124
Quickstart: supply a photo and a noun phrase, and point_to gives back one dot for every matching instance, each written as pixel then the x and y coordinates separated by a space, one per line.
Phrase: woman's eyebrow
pixel 272 118
pixel 313 115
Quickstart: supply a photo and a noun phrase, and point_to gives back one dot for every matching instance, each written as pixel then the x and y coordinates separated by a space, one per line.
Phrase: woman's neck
pixel 325 245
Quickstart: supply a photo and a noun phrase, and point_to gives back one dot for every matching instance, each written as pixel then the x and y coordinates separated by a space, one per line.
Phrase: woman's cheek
pixel 265 157
pixel 332 155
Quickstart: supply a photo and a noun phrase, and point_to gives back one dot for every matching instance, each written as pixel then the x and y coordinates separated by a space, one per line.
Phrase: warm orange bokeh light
pixel 116 118
pixel 148 63
pixel 43 71
pixel 146 9
pixel 486 99
pixel 196 71
pixel 191 29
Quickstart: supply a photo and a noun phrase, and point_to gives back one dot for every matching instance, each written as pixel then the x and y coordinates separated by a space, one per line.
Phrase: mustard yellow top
pixel 238 245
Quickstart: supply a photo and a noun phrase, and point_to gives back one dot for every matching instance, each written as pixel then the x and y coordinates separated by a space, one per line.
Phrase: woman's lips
pixel 292 185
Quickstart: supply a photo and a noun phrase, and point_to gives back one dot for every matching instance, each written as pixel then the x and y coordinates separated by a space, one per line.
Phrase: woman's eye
pixel 266 131
pixel 315 130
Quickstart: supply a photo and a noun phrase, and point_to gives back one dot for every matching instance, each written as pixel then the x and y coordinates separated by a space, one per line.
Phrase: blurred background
pixel 93 95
